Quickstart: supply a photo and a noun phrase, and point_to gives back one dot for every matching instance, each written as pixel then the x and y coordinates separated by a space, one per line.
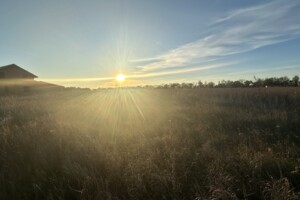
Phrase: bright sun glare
pixel 120 77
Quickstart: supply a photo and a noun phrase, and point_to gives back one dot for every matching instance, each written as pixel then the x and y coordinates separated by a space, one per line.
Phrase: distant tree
pixel 191 85
pixel 200 84
pixel 210 84
pixel 284 81
pixel 248 83
pixel 187 85
pixel 269 82
pixel 166 86
pixel 183 85
pixel 237 84
pixel 276 81
pixel 258 82
pixel 174 85
pixel 229 83
pixel 221 84
pixel 295 81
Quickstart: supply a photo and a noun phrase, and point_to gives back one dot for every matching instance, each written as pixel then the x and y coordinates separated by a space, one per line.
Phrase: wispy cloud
pixel 180 71
pixel 240 31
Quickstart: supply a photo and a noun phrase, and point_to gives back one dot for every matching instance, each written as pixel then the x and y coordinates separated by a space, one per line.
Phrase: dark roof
pixel 17 67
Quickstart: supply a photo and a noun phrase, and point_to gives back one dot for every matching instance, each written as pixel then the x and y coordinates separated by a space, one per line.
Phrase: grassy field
pixel 151 144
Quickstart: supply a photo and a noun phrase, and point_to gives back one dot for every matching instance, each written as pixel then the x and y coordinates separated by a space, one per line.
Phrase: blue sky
pixel 87 43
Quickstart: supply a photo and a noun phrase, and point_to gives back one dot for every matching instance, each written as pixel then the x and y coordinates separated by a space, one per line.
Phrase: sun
pixel 120 77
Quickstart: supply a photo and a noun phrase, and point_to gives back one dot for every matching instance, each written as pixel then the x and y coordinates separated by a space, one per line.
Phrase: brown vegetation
pixel 151 144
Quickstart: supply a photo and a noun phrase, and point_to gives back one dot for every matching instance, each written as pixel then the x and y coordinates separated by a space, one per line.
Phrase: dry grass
pixel 151 144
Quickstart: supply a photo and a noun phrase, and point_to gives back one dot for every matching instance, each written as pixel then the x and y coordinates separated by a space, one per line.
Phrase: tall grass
pixel 151 144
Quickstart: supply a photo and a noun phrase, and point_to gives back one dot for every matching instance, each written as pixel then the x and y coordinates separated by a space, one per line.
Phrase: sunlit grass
pixel 150 144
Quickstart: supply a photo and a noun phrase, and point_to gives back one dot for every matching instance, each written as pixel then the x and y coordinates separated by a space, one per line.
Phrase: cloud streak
pixel 180 71
pixel 240 31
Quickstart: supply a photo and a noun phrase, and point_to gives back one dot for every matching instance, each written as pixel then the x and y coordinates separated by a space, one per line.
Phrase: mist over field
pixel 206 143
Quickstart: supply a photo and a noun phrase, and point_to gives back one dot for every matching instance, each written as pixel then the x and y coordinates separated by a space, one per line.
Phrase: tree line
pixel 283 81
